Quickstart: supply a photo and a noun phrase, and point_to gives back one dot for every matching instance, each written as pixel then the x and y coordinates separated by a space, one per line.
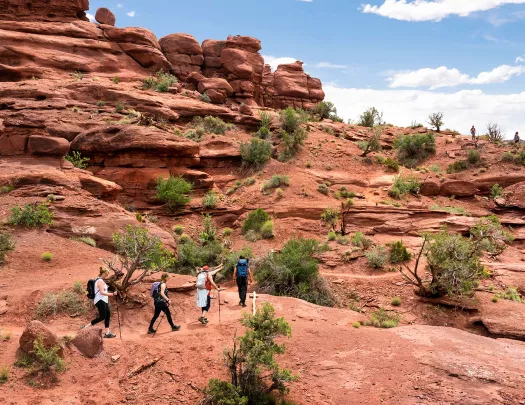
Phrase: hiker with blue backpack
pixel 242 275
pixel 159 293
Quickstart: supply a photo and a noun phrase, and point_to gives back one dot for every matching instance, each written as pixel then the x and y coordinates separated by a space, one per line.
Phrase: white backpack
pixel 201 280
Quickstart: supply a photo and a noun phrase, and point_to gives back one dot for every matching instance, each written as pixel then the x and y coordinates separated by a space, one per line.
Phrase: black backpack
pixel 90 289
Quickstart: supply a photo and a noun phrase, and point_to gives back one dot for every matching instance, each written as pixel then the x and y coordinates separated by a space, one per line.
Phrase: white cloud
pixel 520 59
pixel 120 5
pixel 274 61
pixel 445 77
pixel 432 10
pixel 329 65
pixel 461 109
pixel 91 17
pixel 131 14
pixel 306 1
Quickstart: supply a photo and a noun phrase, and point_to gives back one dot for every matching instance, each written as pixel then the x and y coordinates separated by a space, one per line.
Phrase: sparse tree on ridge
pixel 436 120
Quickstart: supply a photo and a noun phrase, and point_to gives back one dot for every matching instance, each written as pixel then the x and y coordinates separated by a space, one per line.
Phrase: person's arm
pixel 163 291
pixel 100 285
pixel 234 273
pixel 212 282
pixel 250 276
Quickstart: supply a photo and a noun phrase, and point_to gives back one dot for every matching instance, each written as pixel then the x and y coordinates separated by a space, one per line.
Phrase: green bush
pixel 220 392
pixel 384 319
pixel 31 215
pixel 256 153
pixel 371 118
pixel 161 82
pixel 78 288
pixel 184 238
pixel 116 80
pixel 326 110
pixel 473 156
pixel 178 229
pixel 267 230
pixel 196 135
pixel 360 240
pixel 264 127
pixel 4 374
pixel 255 220
pixel 86 240
pixel 343 240
pixel 47 256
pixel 6 245
pixel 343 192
pixel 396 301
pixel 77 160
pixel 490 236
pixel 205 98
pixel 252 236
pixel 275 181
pixel 173 191
pixel 6 189
pixel 330 217
pixel 412 149
pixel 391 164
pixel 212 125
pixel 279 192
pixel 292 133
pixel 48 359
pixel 227 231
pixel 210 200
pixel 69 302
pixel 519 159
pixel 323 189
pixel 511 294
pixel 119 106
pixel 294 272
pixel 435 168
pixel 372 144
pixel 496 191
pixel 377 257
pixel 399 252
pixel 405 185
pixel 507 157
pixel 191 254
pixel 332 236
pixel 458 166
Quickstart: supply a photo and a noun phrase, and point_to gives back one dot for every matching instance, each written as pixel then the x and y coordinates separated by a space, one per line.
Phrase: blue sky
pixel 459 56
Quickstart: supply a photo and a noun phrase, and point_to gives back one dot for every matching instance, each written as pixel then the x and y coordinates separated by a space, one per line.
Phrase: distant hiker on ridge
pixel 204 285
pixel 159 292
pixel 242 275
pixel 516 138
pixel 473 133
pixel 98 291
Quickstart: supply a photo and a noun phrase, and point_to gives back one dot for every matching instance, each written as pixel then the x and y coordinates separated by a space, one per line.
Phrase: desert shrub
pixel 343 240
pixel 415 125
pixel 6 189
pixel 496 191
pixel 85 239
pixel 184 238
pixel 360 240
pixel 370 118
pixel 252 365
pixel 435 168
pixel 119 106
pixel 4 374
pixel 279 193
pixel 267 230
pixel 405 185
pixel 519 159
pixel 399 252
pixel 116 80
pixel 264 127
pixel 48 359
pixel 396 301
pixel 436 120
pixel 292 133
pixel 391 164
pixel 213 125
pixel 210 199
pixel 372 144
pixel 256 153
pixel 323 189
pixel 255 220
pixel 78 287
pixel 377 257
pixel 205 98
pixel 490 236
pixel 275 181
pixel 161 82
pixel 252 236
pixel 332 236
pixel 450 210
pixel 209 231
pixel 6 245
pixel 173 191
pixel 507 157
pixel 78 75
pixel 196 134
pixel 68 302
pixel 343 192
pixel 326 109
pixel 473 156
pixel 31 215
pixel 458 166
pixel 511 294
pixel 191 255
pixel 356 324
pixel 178 229
pixel 412 149
pixel 77 160
pixel 294 272
pixel 47 256
pixel 494 133
pixel 384 319
pixel 227 231
pixel 101 103
pixel 330 217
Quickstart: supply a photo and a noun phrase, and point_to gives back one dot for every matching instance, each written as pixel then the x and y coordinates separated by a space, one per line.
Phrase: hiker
pixel 162 303
pixel 204 286
pixel 473 133
pixel 242 275
pixel 516 138
pixel 101 301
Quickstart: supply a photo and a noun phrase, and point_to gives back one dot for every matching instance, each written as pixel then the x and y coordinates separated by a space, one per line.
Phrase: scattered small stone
pixel 115 358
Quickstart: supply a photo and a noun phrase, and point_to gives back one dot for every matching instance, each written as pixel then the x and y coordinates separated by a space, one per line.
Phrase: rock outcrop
pixel 36 330
pixel 105 16
pixel 89 342
pixel 50 10
pixel 184 53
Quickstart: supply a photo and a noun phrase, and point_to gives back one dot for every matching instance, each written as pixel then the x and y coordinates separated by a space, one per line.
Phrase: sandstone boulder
pixel 515 195
pixel 184 53
pixel 34 331
pixel 458 188
pixel 46 145
pixel 89 342
pixel 105 16
pixel 430 188
pixel 217 89
pixel 100 188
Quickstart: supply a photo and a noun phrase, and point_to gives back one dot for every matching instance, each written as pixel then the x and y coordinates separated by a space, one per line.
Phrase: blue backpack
pixel 242 268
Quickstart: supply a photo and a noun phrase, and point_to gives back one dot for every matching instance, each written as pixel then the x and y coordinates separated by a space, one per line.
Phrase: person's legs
pixel 244 289
pixel 107 318
pixel 155 316
pixel 205 310
pixel 101 306
pixel 239 288
pixel 166 310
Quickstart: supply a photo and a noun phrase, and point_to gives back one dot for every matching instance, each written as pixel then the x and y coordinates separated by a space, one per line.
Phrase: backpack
pixel 90 289
pixel 201 280
pixel 155 290
pixel 242 268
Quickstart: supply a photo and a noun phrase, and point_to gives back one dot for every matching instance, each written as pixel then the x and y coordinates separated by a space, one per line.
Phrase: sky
pixel 407 58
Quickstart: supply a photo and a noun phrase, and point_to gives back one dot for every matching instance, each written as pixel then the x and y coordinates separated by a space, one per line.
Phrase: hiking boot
pixel 109 335
pixel 201 320
pixel 240 303
pixel 243 305
pixel 151 331
pixel 175 328
pixel 205 321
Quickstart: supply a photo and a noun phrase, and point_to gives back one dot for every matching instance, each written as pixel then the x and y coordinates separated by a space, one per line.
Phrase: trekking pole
pixel 158 325
pixel 219 293
pixel 118 317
